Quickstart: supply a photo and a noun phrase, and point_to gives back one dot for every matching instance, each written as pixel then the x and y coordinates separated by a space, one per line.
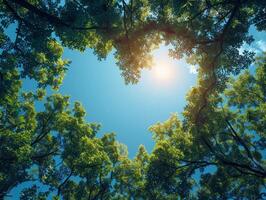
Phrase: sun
pixel 163 70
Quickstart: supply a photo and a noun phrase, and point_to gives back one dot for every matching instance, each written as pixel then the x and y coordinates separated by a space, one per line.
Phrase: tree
pixel 58 148
pixel 209 31
pixel 226 160
pixel 52 146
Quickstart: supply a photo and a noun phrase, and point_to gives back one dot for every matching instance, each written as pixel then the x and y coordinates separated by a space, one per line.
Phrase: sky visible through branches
pixel 129 110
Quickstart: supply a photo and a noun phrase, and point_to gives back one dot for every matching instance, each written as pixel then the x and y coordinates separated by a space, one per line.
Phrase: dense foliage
pixel 216 152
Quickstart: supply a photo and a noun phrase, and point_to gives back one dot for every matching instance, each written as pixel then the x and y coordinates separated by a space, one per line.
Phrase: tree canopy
pixel 216 152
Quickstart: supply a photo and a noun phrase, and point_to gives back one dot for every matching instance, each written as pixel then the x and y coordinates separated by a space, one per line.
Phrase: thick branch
pixel 54 20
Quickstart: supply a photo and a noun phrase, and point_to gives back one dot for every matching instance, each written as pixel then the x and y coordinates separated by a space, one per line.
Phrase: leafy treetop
pixel 216 152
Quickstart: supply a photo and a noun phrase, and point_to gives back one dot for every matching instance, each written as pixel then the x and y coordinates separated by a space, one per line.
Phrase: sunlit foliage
pixel 216 152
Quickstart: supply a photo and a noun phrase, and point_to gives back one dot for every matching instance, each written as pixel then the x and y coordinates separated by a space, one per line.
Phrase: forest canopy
pixel 217 151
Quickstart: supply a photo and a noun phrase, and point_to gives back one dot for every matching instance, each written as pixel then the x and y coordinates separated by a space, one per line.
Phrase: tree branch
pixel 37 157
pixel 54 20
pixel 243 144
pixel 16 15
pixel 63 183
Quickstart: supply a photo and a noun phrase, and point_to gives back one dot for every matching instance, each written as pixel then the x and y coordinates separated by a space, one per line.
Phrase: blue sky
pixel 127 110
